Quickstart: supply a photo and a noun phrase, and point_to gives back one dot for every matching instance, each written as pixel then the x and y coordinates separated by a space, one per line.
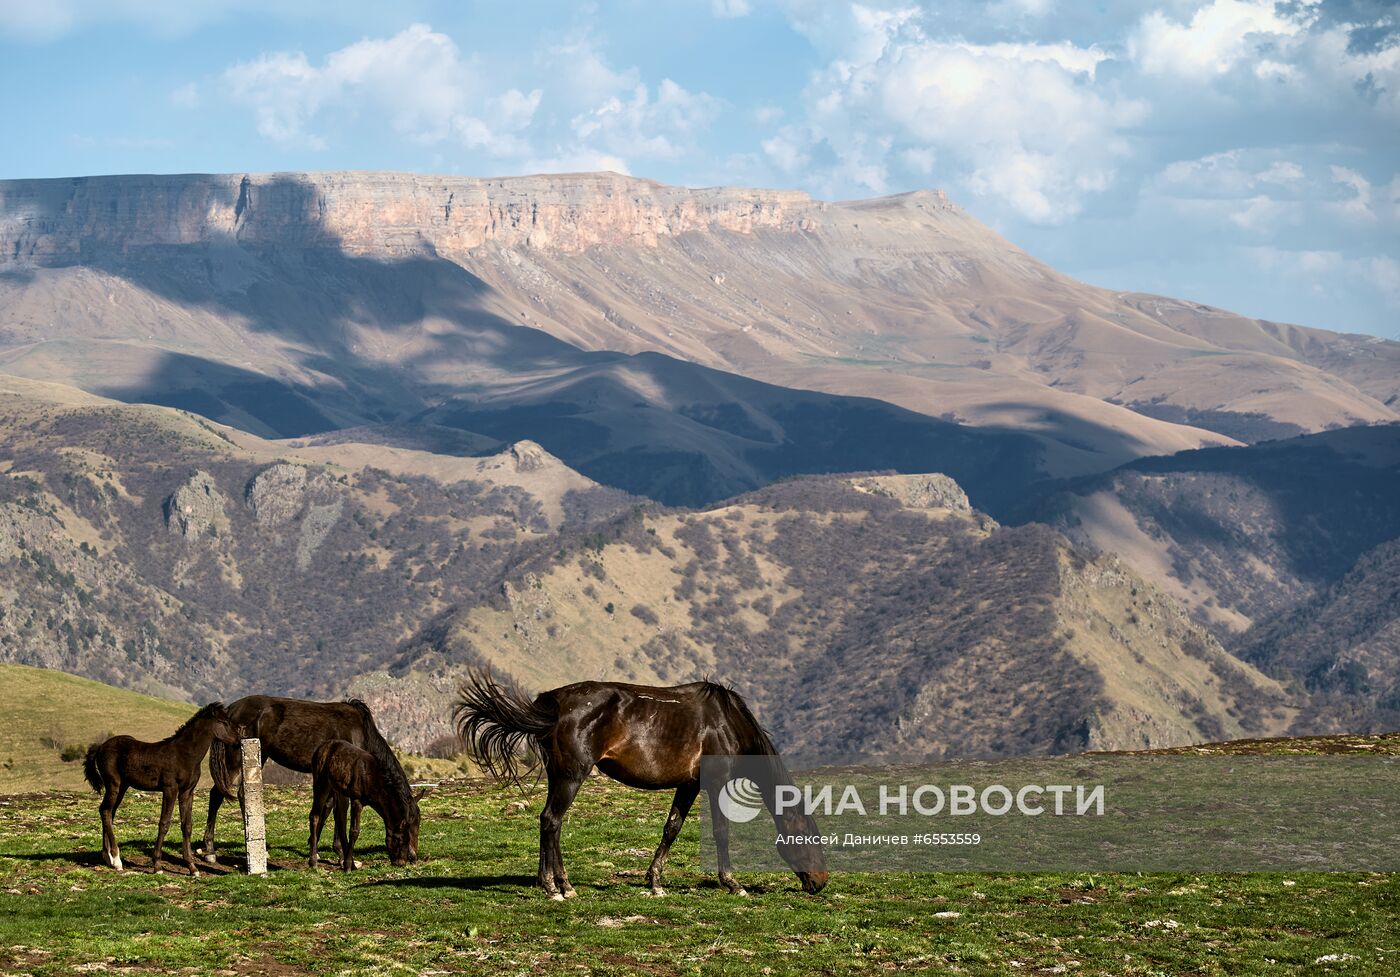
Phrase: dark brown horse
pixel 290 731
pixel 645 737
pixel 170 766
pixel 342 772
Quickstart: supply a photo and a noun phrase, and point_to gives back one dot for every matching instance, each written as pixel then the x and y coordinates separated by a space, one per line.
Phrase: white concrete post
pixel 250 798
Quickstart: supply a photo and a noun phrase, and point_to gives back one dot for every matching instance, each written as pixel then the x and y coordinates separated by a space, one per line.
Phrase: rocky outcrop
pixel 277 494
pixel 196 509
pixel 384 214
pixel 283 493
pixel 529 456
pixel 931 491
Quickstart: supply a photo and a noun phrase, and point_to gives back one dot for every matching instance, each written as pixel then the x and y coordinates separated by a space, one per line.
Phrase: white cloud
pixel 1232 173
pixel 1332 271
pixel 1384 273
pixel 1280 172
pixel 765 115
pixel 585 77
pixel 636 124
pixel 730 8
pixel 576 161
pixel 1357 205
pixel 1218 36
pixel 417 80
pixel 1260 212
pixel 787 150
pixel 1021 123
pixel 186 96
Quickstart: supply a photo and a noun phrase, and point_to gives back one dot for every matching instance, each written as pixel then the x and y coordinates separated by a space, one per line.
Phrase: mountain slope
pixel 145 547
pixel 1240 534
pixel 298 303
pixel 870 616
pixel 149 548
pixel 1343 646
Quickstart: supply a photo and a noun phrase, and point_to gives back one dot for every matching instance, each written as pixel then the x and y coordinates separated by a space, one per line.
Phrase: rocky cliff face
pixel 60 221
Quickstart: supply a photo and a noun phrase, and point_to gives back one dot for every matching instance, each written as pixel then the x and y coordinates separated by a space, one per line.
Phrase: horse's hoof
pixel 569 892
pixel 194 874
pixel 742 892
pixel 209 857
pixel 556 896
pixel 656 892
pixel 358 864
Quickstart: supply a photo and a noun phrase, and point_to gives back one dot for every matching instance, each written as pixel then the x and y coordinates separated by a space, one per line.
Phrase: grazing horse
pixel 170 766
pixel 342 772
pixel 645 737
pixel 290 731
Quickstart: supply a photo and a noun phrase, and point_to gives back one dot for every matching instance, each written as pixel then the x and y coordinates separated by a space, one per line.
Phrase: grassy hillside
pixel 45 716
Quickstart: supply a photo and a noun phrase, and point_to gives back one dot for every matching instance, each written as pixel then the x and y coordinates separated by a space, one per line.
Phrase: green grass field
pixel 472 906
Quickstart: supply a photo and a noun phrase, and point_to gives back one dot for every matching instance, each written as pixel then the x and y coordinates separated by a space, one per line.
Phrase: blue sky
pixel 1242 153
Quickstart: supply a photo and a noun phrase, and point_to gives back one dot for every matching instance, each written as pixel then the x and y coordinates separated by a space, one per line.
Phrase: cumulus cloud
pixel 419 86
pixel 417 80
pixel 1216 38
pixel 1022 123
pixel 636 123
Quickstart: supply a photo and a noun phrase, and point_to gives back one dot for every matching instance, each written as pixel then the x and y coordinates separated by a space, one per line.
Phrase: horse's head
pixel 804 854
pixel 226 731
pixel 402 835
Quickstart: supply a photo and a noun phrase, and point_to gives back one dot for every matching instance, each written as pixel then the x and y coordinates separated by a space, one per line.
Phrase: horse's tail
pixel 226 778
pixel 91 771
pixel 495 722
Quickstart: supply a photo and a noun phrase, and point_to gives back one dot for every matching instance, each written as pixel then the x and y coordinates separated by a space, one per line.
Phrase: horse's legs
pixel 680 807
pixel 553 879
pixel 342 834
pixel 167 804
pixel 111 800
pixel 187 827
pixel 355 808
pixel 320 804
pixel 216 800
pixel 719 827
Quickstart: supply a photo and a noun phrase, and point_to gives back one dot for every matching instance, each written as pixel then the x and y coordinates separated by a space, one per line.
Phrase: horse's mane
pixel 378 747
pixel 205 712
pixel 754 738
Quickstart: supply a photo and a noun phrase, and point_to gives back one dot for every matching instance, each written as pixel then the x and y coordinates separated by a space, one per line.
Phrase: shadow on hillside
pixel 364 336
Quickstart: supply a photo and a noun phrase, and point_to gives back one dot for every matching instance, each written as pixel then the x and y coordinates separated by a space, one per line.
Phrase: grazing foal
pixel 170 766
pixel 342 772
pixel 290 731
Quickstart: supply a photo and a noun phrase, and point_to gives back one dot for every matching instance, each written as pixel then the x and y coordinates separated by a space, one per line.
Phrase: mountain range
pixel 319 433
